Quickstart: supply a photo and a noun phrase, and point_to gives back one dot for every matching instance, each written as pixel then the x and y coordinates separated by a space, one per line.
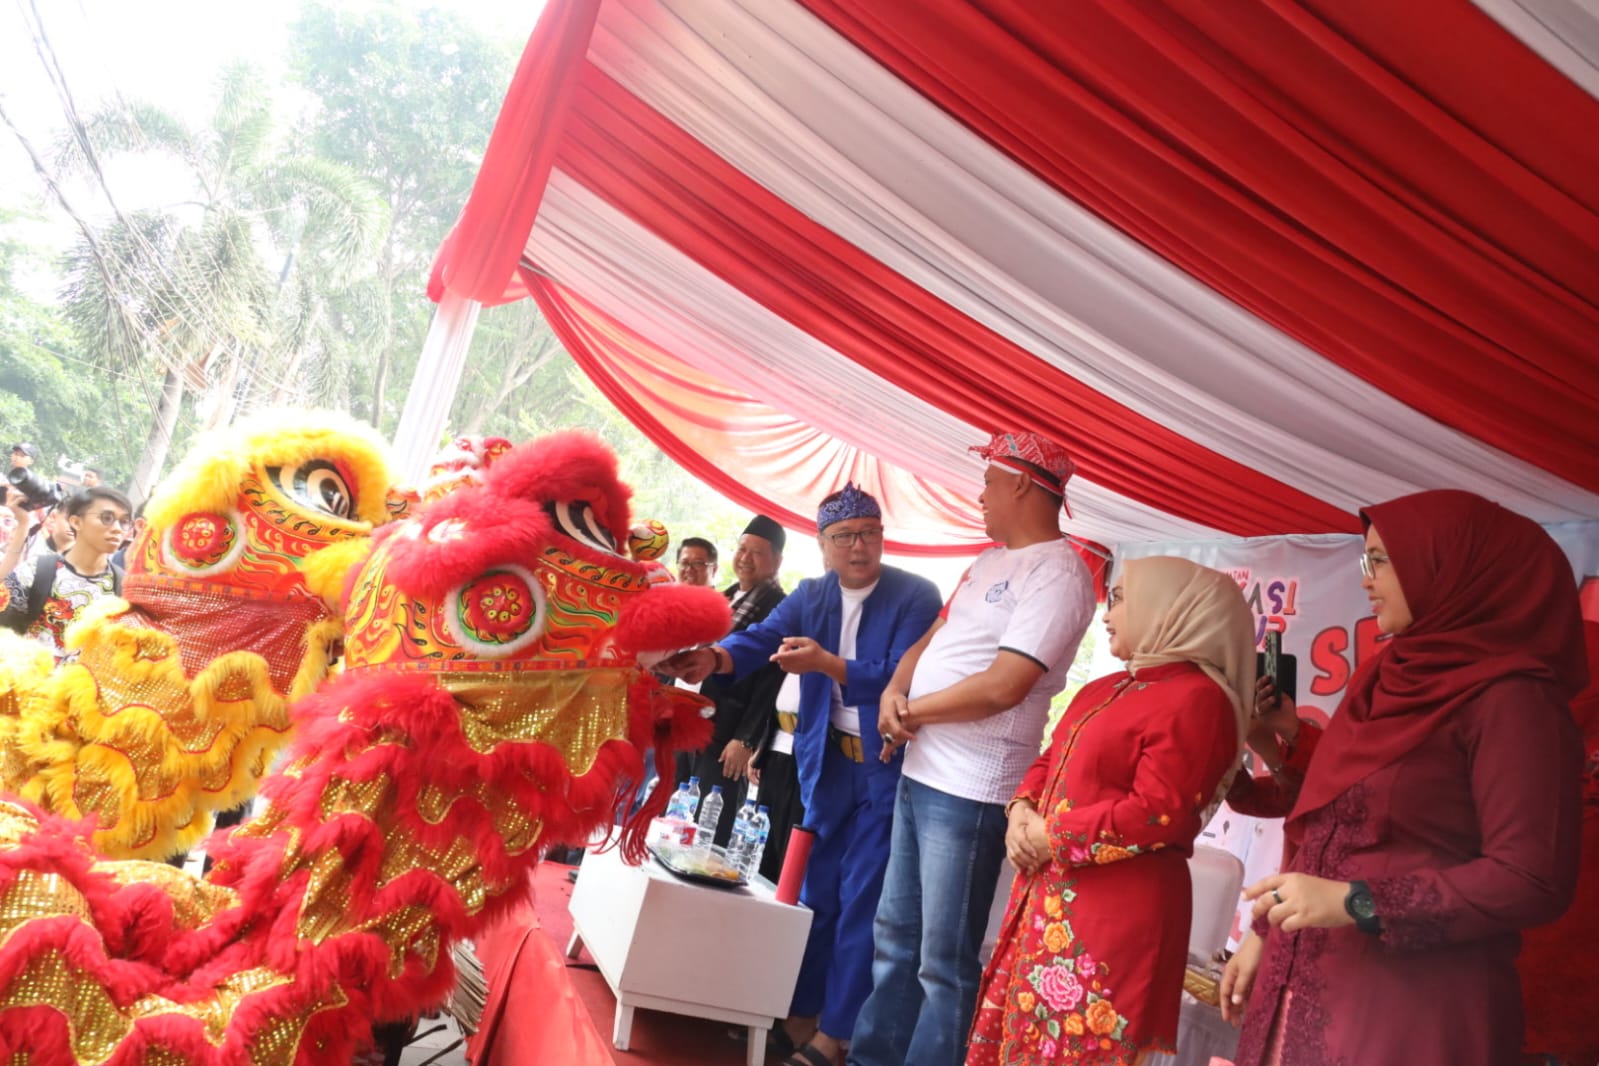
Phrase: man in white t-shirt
pixel 968 706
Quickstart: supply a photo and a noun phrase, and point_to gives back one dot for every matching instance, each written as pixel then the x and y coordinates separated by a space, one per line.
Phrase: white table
pixel 731 955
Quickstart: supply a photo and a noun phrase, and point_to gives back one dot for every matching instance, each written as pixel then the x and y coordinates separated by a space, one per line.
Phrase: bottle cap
pixel 765 809
pixel 716 788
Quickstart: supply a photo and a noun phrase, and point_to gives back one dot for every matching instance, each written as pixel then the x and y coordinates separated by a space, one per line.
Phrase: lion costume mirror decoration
pixel 492 704
pixel 176 697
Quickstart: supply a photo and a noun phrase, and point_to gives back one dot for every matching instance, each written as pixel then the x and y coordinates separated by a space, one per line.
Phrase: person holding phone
pixel 1441 813
pixel 1282 744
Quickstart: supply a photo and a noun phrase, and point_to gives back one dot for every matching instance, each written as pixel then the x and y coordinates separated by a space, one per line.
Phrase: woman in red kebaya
pixel 1440 814
pixel 1089 964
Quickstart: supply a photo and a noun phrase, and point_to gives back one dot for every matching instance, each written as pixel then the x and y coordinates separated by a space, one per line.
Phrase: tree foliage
pixel 287 262
pixel 47 390
pixel 406 99
pixel 189 288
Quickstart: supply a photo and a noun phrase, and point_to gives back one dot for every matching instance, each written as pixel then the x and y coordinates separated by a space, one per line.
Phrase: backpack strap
pixel 44 582
pixel 117 574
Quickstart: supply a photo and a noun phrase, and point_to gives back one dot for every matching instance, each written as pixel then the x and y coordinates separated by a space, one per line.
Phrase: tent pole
pixel 433 386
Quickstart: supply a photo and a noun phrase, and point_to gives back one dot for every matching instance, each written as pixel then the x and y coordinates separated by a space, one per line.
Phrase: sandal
pixel 778 1040
pixel 807 1055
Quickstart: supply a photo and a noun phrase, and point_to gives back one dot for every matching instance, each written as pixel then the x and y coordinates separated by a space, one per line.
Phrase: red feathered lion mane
pixel 419 790
pixel 504 520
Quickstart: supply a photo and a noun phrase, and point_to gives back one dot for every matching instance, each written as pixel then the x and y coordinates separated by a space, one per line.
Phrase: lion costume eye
pixel 576 519
pixel 317 484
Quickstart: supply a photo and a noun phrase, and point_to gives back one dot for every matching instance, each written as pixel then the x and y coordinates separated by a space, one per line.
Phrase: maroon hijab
pixel 1491 596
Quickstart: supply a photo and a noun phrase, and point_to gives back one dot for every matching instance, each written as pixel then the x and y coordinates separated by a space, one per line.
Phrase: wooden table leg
pixel 574 947
pixel 757 1046
pixel 622 1031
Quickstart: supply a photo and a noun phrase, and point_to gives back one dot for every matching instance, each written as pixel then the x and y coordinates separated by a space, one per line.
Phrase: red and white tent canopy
pixel 1255 264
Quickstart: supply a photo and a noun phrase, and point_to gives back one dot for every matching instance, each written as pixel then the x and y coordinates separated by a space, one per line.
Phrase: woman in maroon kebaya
pixel 1440 814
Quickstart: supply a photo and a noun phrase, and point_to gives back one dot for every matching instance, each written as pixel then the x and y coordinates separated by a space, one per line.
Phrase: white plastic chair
pixel 1218 877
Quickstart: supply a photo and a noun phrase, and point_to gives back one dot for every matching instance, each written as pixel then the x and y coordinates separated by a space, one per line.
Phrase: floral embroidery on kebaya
pixel 1079 852
pixel 1066 1001
pixel 1051 996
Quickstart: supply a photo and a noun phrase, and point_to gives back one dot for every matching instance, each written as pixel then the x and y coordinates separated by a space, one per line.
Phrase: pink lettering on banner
pixel 1273 602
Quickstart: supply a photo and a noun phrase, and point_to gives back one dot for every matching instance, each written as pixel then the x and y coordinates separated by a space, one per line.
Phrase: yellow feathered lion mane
pixel 176 699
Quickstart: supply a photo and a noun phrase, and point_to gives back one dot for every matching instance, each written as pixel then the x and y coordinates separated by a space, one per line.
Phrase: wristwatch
pixel 1362 908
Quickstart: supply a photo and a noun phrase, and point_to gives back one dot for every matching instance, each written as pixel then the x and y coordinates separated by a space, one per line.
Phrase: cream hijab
pixel 1178 611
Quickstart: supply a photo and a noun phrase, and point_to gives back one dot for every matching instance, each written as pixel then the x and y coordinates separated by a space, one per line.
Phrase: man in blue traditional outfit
pixel 844 632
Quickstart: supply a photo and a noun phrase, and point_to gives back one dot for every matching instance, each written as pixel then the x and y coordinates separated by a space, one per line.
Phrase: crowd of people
pixel 1437 817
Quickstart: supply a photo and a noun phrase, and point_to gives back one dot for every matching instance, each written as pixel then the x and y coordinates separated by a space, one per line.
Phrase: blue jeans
pixel 943 867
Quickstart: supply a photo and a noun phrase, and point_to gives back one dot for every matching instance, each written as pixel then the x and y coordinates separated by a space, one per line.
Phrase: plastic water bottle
pixel 693 799
pixel 710 814
pixel 679 806
pixel 738 846
pixel 759 829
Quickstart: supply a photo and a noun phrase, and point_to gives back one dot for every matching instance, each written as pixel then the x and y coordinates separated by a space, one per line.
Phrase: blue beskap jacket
pixel 900 609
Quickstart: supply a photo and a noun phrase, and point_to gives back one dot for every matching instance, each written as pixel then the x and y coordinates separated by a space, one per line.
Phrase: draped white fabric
pixel 438 376
pixel 658 292
pixel 779 95
pixel 1564 32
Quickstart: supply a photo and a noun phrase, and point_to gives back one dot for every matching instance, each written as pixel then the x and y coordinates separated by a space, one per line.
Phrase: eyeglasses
pixel 695 566
pixel 1370 561
pixel 1113 597
pixel 847 540
pixel 111 518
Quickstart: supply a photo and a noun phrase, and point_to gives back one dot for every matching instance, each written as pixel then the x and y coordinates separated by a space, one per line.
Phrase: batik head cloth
pixel 1044 462
pixel 850 503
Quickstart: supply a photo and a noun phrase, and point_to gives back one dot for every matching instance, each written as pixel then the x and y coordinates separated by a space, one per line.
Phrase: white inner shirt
pixel 848 719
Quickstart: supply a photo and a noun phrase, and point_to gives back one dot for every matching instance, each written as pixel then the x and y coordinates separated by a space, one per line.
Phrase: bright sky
pixel 167 51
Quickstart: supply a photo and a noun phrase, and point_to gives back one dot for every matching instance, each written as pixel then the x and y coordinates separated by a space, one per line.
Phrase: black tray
pixel 670 856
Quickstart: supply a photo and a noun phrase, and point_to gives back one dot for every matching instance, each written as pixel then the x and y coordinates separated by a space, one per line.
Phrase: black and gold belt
pixel 849 745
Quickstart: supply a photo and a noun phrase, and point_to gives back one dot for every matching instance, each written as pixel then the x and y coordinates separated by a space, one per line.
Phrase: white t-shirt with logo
pixel 848 719
pixel 1037 601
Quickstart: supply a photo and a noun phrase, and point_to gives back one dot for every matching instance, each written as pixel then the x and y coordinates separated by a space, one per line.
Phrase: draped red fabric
pixel 757 243
pixel 479 258
pixel 1492 598
pixel 743 448
pixel 1427 218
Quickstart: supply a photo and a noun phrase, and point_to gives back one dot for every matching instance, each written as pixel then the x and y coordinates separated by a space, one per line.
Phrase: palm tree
pixel 186 290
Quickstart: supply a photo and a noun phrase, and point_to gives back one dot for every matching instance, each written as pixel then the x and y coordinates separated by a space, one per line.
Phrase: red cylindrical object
pixel 795 860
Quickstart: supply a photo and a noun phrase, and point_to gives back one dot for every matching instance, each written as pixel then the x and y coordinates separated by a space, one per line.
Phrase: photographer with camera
pixel 42 596
pixel 41 495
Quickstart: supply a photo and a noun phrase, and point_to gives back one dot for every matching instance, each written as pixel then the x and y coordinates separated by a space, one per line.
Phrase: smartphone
pixel 1283 669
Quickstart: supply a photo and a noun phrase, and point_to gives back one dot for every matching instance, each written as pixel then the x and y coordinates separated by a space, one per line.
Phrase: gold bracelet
pixel 1019 799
